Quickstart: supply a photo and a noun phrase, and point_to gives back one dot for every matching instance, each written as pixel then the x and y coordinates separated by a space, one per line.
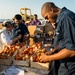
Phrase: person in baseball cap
pixel 6 34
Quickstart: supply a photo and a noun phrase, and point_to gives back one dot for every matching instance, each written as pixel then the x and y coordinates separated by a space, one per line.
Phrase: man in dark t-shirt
pixel 63 20
pixel 20 28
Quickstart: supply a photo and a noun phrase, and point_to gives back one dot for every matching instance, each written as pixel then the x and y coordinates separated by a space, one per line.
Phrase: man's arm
pixel 16 39
pixel 7 41
pixel 26 33
pixel 63 54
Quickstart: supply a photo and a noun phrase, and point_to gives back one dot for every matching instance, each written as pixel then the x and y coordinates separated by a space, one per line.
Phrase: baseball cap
pixel 7 23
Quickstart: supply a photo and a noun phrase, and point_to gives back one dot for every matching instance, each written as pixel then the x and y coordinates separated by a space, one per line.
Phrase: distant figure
pixel 35 20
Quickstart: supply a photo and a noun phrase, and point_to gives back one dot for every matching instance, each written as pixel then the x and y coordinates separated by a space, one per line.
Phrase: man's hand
pixel 26 37
pixel 43 58
pixel 19 36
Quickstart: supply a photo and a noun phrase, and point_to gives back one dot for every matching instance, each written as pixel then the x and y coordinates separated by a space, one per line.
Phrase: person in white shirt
pixel 6 34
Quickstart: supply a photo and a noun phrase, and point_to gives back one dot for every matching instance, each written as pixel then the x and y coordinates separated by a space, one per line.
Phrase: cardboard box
pixel 7 61
pixel 37 65
pixel 20 62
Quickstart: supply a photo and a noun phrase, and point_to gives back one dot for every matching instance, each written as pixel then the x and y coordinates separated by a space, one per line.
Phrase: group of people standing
pixel 13 32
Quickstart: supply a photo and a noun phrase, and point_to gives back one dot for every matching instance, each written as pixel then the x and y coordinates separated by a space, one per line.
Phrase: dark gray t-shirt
pixel 20 29
pixel 65 31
